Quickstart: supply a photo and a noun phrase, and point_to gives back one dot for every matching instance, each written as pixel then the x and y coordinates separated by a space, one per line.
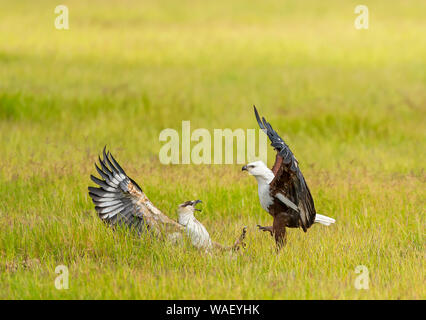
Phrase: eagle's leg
pixel 279 231
pixel 280 238
pixel 268 228
pixel 237 244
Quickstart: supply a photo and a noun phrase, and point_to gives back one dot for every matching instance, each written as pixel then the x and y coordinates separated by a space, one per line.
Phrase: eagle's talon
pixel 269 229
pixel 261 228
pixel 240 241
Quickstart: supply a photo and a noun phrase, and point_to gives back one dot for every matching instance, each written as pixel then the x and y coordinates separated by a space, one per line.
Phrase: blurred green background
pixel 350 103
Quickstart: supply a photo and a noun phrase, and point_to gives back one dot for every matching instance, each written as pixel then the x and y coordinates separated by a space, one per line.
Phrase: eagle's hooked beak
pixel 195 203
pixel 244 168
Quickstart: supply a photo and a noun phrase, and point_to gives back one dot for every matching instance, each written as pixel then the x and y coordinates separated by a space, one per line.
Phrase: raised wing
pixel 289 185
pixel 279 145
pixel 120 201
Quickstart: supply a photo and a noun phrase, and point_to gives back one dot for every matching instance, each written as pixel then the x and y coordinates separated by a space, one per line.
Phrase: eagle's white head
pixel 187 209
pixel 198 234
pixel 260 171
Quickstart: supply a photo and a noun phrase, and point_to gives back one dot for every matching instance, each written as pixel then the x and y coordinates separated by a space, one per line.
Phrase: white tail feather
pixel 319 218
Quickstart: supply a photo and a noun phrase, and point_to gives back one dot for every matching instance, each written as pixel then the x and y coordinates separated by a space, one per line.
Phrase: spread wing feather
pixel 289 180
pixel 120 201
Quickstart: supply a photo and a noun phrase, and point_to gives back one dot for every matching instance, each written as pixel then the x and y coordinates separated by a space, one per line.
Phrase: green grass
pixel 351 104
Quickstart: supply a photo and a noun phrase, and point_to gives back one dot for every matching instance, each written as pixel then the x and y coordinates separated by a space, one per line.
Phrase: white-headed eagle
pixel 120 201
pixel 283 191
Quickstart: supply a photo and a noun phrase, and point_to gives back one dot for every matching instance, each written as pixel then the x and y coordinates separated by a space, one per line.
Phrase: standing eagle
pixel 120 201
pixel 283 191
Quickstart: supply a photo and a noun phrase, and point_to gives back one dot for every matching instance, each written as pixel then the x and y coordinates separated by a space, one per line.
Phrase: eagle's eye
pixel 251 167
pixel 186 203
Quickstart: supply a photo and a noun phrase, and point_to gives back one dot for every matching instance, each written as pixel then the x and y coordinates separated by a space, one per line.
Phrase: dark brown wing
pixel 289 185
pixel 119 200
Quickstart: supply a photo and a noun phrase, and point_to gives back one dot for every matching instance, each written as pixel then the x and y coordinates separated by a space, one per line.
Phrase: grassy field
pixel 350 103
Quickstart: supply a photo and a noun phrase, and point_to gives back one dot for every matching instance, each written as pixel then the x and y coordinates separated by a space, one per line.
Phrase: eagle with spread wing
pixel 283 191
pixel 120 201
